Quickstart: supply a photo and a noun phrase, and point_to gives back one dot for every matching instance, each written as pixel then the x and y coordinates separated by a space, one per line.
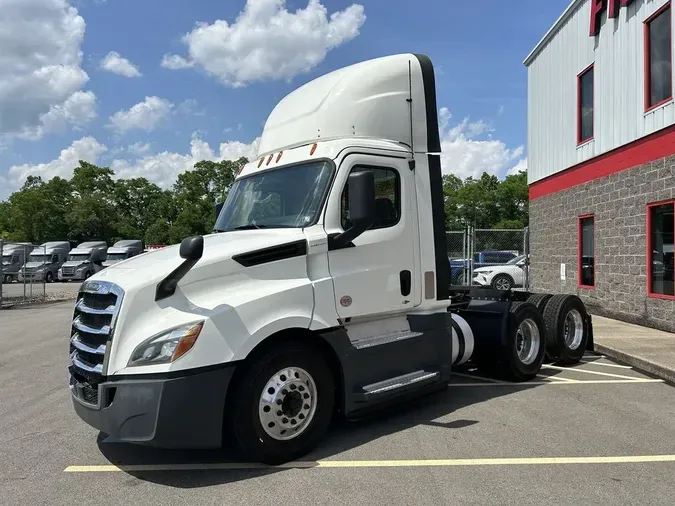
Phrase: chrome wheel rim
pixel 528 341
pixel 574 329
pixel 287 403
pixel 503 284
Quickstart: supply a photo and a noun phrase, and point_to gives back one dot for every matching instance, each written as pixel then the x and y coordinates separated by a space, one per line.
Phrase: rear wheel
pixel 540 300
pixel 567 329
pixel 282 404
pixel 524 343
pixel 49 277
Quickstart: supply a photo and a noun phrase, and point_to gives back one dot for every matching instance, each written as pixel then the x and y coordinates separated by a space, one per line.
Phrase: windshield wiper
pixel 249 227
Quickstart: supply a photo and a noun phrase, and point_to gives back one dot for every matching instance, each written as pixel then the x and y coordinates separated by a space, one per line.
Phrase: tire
pixel 502 282
pixel 567 329
pixel 524 344
pixel 540 300
pixel 7 278
pixel 49 277
pixel 258 388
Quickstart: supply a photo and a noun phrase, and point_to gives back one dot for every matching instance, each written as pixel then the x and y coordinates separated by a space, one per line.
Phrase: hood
pixel 74 263
pixel 34 265
pixel 152 266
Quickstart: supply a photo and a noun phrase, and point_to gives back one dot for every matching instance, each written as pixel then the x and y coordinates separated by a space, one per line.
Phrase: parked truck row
pixel 324 289
pixel 56 261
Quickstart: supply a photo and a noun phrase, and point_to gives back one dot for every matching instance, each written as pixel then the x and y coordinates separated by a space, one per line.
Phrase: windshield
pixel 289 197
pixel 79 257
pixel 117 256
pixel 38 258
pixel 6 259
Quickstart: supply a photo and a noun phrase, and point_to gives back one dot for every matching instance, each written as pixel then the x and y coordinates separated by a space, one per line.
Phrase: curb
pixel 642 365
pixel 29 305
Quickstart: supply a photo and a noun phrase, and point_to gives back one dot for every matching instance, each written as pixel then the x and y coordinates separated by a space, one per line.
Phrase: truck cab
pixel 44 262
pixel 83 261
pixel 13 258
pixel 323 289
pixel 123 250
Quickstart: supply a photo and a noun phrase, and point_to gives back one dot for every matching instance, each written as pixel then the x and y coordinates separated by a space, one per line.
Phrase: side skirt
pixel 382 369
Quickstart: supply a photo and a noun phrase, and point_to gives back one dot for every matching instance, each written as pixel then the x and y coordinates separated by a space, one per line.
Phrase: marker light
pixel 279 156
pixel 311 151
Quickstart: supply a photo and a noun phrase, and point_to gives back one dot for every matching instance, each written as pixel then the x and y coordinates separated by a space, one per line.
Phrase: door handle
pixel 405 278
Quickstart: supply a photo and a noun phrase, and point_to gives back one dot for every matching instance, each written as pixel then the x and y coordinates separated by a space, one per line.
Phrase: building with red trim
pixel 601 159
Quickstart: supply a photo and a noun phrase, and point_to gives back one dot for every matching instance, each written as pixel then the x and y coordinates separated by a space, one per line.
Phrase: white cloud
pixel 139 148
pixel 521 166
pixel 463 155
pixel 115 63
pixel 145 115
pixel 267 42
pixel 41 65
pixel 163 168
pixel 87 149
pixel 176 62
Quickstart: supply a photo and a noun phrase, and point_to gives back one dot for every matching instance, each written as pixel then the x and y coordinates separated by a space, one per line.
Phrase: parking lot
pixel 18 289
pixel 598 433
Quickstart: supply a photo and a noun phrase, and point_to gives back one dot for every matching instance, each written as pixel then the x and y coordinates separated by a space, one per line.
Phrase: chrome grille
pixel 68 271
pixel 92 327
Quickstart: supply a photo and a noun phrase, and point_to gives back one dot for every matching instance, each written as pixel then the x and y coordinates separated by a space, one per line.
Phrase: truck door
pixel 380 272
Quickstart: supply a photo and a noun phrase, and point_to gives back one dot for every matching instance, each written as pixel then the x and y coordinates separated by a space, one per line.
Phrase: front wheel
pixel 502 282
pixel 282 404
pixel 49 277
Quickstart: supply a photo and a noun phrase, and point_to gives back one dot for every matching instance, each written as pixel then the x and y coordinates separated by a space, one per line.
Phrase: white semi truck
pixel 83 261
pixel 122 250
pixel 324 288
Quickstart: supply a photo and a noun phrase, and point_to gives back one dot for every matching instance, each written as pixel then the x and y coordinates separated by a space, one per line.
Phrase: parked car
pixel 480 259
pixel 502 277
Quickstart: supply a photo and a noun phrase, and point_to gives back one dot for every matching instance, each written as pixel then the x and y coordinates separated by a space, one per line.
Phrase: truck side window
pixel 387 198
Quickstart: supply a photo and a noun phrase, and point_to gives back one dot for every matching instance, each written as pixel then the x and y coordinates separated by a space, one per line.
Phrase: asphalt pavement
pixel 599 433
pixel 17 289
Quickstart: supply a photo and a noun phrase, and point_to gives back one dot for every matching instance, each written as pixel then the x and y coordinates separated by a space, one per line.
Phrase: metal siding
pixel 618 57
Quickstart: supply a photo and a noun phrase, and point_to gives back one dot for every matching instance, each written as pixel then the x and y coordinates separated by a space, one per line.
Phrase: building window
pixel 387 198
pixel 586 251
pixel 660 230
pixel 658 73
pixel 585 106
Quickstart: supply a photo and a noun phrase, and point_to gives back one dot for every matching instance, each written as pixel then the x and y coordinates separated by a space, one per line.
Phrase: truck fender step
pixel 369 342
pixel 398 383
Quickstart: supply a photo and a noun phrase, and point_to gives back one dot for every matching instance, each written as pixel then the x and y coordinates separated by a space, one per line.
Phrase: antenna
pixel 410 105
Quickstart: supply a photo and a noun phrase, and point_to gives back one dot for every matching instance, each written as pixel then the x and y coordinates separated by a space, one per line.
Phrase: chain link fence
pixel 489 257
pixel 24 272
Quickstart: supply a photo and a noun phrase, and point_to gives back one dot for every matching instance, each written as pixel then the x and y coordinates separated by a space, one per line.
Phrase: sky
pixel 149 87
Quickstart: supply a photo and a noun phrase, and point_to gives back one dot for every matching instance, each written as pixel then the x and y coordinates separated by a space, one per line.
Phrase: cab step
pixel 369 342
pixel 402 382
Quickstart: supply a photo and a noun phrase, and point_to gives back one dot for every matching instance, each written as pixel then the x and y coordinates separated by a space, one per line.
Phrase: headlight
pixel 167 347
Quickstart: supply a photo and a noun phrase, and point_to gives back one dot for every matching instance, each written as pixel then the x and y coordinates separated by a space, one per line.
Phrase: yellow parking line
pixel 623 459
pixel 558 368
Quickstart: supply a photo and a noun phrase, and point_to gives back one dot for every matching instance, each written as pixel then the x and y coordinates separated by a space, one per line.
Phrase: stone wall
pixel 619 203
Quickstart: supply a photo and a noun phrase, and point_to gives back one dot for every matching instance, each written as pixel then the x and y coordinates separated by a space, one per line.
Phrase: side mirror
pixel 361 207
pixel 192 248
pixel 219 206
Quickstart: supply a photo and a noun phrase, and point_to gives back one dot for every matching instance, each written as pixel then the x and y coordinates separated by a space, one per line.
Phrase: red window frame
pixel 647 80
pixel 581 141
pixel 649 250
pixel 580 219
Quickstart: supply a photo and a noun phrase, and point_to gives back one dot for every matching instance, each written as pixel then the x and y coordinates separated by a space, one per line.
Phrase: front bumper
pixel 78 276
pixel 166 411
pixel 30 276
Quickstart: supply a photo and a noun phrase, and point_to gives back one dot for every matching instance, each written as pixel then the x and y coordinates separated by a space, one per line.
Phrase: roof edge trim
pixel 552 31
